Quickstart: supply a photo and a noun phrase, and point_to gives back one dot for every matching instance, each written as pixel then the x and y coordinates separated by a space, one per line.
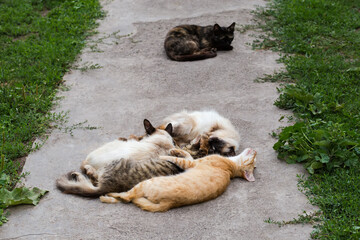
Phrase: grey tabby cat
pixel 119 176
pixel 119 165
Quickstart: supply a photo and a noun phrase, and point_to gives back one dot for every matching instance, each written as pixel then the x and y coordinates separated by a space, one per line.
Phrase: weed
pixel 302 219
pixel 40 40
pixel 320 40
pixel 87 66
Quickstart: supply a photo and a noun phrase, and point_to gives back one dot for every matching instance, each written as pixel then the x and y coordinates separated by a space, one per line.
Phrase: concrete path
pixel 137 81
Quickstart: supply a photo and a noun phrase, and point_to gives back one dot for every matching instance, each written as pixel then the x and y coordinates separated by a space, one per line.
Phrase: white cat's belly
pixel 130 149
pixel 107 153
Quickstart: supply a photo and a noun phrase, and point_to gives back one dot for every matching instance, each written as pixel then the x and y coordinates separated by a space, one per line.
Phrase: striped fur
pixel 119 176
pixel 203 180
pixel 119 165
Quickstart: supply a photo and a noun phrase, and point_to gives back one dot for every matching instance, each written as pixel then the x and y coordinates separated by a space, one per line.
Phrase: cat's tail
pixel 203 54
pixel 79 184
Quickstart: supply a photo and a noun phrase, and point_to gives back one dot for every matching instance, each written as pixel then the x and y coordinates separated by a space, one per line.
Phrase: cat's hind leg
pixel 128 196
pixel 91 172
pixel 147 205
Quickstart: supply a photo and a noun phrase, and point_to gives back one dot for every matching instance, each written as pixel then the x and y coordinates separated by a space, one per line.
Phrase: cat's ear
pixel 148 127
pixel 249 175
pixel 231 28
pixel 216 28
pixel 169 129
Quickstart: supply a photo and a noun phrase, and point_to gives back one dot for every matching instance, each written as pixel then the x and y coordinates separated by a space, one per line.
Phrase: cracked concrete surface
pixel 137 81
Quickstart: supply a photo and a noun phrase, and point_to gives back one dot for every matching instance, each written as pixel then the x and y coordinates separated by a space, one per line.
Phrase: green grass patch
pixel 39 41
pixel 321 42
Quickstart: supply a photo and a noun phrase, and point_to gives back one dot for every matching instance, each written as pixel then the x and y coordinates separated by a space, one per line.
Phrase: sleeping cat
pixel 156 142
pixel 206 131
pixel 118 176
pixel 203 180
pixel 192 42
pixel 120 165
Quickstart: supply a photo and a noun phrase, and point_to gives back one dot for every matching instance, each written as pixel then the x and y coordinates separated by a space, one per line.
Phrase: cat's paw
pixel 76 176
pixel 134 137
pixel 107 199
pixel 124 196
pixel 177 153
pixel 73 176
pixel 181 153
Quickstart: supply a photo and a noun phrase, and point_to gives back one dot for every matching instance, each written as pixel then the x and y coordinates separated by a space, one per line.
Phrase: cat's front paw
pixel 134 137
pixel 177 153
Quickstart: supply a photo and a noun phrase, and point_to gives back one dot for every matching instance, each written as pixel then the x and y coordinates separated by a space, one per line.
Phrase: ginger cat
pixel 203 180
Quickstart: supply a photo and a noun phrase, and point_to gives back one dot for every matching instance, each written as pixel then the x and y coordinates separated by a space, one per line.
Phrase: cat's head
pixel 246 162
pixel 221 146
pixel 162 136
pixel 223 141
pixel 223 36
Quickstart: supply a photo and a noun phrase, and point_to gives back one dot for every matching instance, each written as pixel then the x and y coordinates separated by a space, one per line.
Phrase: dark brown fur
pixel 192 42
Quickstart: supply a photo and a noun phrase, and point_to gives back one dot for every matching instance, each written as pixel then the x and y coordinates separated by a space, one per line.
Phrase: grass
pixel 39 42
pixel 320 40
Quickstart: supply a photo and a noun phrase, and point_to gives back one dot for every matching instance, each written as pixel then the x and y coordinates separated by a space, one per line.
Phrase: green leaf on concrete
pixel 20 196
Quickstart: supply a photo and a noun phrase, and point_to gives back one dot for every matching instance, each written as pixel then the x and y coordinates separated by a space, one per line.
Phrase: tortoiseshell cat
pixel 192 42
pixel 203 180
pixel 120 165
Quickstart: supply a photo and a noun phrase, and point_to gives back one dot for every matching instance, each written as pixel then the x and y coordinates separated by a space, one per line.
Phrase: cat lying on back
pixel 192 42
pixel 203 180
pixel 120 165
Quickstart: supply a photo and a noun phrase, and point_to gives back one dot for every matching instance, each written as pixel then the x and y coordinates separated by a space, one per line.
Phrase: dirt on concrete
pixel 137 81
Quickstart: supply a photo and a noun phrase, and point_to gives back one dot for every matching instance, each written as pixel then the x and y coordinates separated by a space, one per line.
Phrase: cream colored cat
pixel 203 180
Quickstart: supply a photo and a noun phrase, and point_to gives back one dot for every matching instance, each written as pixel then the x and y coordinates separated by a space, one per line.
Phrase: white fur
pixel 190 125
pixel 153 146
